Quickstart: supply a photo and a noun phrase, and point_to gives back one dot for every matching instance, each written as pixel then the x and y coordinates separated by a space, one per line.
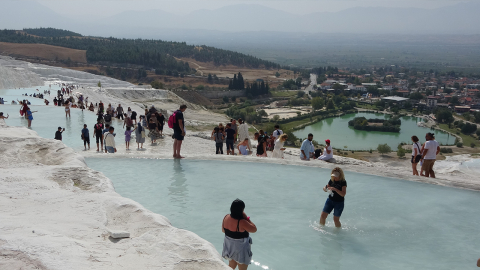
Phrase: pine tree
pixel 230 85
pixel 241 83
pixel 262 88
pixel 235 82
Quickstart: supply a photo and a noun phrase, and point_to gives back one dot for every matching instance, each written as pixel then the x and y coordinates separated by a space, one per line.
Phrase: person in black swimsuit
pixel 237 243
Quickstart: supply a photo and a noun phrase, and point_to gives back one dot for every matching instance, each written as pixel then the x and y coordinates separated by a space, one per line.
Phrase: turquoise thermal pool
pixel 345 137
pixel 387 223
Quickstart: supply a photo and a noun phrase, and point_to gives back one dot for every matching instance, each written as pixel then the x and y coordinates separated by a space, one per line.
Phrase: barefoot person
pixel 416 154
pixel 429 155
pixel 128 137
pixel 140 135
pixel 86 137
pixel 307 150
pixel 278 147
pixel 178 131
pixel 67 109
pixel 3 117
pixel 110 141
pixel 327 152
pixel 58 134
pixel 244 148
pixel 237 242
pixel 243 132
pixel 230 139
pixel 97 133
pixel 337 187
pixel 29 115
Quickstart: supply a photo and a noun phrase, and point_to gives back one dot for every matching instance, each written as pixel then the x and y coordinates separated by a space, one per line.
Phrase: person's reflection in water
pixel 178 190
pixel 332 253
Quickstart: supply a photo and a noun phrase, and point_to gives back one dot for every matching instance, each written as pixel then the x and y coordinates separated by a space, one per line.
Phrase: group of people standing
pixel 232 134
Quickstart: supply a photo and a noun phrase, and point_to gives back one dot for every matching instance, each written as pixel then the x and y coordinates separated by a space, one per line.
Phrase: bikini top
pixel 237 234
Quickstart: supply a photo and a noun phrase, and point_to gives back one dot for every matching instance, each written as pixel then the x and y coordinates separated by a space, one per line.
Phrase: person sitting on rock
pixel 327 152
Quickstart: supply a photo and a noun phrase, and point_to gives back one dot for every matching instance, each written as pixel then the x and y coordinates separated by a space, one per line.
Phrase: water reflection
pixel 332 252
pixel 178 191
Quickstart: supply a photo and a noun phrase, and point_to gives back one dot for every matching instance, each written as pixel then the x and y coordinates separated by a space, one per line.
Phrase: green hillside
pixel 151 54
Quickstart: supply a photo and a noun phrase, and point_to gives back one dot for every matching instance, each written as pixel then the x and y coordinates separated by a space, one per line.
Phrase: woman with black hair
pixel 237 242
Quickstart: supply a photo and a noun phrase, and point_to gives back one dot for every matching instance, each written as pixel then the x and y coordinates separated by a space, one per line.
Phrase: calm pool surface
pixel 345 137
pixel 387 223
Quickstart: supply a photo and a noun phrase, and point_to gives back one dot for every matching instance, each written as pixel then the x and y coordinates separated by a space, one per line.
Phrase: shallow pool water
pixel 387 223
pixel 19 94
pixel 49 118
pixel 344 137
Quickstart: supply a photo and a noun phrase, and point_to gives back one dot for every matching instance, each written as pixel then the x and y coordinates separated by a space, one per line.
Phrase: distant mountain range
pixel 458 19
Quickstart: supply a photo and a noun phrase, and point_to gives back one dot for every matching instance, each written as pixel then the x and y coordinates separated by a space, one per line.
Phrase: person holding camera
pixel 237 227
pixel 337 189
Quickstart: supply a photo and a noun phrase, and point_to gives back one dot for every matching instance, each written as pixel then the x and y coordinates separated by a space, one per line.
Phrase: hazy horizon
pixel 127 17
pixel 105 8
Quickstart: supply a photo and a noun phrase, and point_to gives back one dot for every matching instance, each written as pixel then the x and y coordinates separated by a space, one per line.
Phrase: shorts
pixel 428 165
pixel 86 141
pixel 337 207
pixel 110 149
pixel 229 144
pixel 177 134
pixel 160 128
pixel 98 137
pixel 416 159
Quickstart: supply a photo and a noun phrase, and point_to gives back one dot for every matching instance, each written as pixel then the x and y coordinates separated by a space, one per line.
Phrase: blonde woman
pixel 278 148
pixel 337 189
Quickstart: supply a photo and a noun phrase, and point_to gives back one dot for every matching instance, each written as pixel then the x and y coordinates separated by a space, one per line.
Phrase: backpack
pixel 107 117
pixel 134 114
pixel 172 119
pixel 278 132
pixel 129 122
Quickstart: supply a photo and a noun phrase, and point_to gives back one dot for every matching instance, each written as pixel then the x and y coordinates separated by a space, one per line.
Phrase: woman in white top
pixel 243 132
pixel 129 112
pixel 416 154
pixel 278 149
pixel 327 152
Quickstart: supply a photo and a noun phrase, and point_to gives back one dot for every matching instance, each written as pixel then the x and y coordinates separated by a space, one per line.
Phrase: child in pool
pixel 128 136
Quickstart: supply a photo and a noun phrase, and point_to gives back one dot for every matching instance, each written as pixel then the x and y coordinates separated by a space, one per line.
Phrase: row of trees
pixel 361 123
pixel 257 89
pixel 50 32
pixel 237 83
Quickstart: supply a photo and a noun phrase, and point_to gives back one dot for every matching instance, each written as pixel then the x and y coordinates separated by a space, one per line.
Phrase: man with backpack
pixel 97 134
pixel 177 122
pixel 134 117
pixel 108 119
pixel 127 122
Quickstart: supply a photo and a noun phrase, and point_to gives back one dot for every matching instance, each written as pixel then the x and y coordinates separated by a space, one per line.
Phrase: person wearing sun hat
pixel 337 189
pixel 327 152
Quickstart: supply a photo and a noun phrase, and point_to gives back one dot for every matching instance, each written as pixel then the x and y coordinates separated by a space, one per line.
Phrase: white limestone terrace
pixel 56 214
pixel 28 74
